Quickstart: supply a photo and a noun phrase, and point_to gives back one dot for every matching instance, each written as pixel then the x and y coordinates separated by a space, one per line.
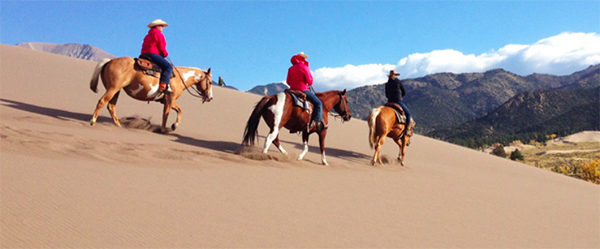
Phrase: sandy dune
pixel 66 184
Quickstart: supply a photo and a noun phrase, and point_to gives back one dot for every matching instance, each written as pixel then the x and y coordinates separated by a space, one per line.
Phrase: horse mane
pixel 191 69
pixel 327 92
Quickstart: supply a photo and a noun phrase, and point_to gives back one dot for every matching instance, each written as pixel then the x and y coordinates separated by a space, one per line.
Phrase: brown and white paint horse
pixel 120 73
pixel 278 111
pixel 382 122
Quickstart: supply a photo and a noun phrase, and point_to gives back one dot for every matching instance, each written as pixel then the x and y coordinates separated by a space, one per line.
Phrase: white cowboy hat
pixel 303 55
pixel 157 22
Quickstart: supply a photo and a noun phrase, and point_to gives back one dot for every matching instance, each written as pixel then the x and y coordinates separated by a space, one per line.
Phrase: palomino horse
pixel 120 74
pixel 279 111
pixel 382 122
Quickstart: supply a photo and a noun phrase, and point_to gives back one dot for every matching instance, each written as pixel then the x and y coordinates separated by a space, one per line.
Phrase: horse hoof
pixel 173 126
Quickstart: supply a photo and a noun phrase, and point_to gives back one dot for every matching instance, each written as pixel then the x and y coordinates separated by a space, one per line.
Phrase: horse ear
pixel 208 72
pixel 344 92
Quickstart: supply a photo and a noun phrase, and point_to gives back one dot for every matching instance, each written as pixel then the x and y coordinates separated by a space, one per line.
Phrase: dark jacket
pixel 394 90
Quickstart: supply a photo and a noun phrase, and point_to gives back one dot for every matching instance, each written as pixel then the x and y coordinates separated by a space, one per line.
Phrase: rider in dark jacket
pixel 394 91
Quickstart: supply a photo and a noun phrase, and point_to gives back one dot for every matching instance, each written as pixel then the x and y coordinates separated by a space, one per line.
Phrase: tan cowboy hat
pixel 303 55
pixel 393 73
pixel 157 22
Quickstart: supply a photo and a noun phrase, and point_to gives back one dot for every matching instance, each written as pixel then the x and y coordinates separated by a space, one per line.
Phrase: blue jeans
pixel 318 106
pixel 406 112
pixel 167 68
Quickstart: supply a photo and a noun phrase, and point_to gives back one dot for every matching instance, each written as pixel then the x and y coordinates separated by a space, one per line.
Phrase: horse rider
pixel 299 78
pixel 394 91
pixel 155 47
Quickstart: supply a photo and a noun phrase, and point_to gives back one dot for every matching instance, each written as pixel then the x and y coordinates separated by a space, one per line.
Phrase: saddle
pixel 299 99
pixel 400 117
pixel 146 65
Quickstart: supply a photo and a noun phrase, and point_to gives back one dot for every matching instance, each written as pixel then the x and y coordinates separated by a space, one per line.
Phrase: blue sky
pixel 350 43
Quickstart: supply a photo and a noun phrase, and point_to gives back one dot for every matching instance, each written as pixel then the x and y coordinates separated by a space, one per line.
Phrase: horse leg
pixel 108 95
pixel 403 151
pixel 111 108
pixel 166 110
pixel 278 145
pixel 270 138
pixel 377 156
pixel 305 142
pixel 400 142
pixel 178 121
pixel 322 135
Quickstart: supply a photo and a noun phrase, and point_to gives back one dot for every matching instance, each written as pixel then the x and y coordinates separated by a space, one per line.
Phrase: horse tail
pixel 96 75
pixel 250 133
pixel 372 121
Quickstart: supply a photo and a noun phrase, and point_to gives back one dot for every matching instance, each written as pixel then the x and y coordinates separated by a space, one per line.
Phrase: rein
pixel 199 94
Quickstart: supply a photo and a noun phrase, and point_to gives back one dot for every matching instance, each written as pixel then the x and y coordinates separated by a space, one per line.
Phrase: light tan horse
pixel 120 73
pixel 382 123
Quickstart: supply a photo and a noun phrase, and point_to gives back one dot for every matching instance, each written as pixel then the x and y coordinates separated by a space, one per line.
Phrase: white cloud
pixel 563 54
pixel 350 76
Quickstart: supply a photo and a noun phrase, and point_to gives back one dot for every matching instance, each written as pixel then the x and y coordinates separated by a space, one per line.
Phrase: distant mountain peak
pixel 269 89
pixel 75 50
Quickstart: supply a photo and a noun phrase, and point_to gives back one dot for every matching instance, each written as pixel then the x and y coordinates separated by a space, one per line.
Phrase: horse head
pixel 342 106
pixel 204 87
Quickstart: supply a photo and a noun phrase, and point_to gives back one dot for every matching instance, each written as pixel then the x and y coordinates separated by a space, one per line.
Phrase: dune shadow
pixel 51 112
pixel 342 154
pixel 220 146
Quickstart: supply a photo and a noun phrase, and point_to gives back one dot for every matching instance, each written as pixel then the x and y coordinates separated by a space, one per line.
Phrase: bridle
pixel 200 93
pixel 342 100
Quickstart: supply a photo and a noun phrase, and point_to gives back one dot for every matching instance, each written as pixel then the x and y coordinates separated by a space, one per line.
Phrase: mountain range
pixel 494 106
pixel 476 108
pixel 269 89
pixel 75 50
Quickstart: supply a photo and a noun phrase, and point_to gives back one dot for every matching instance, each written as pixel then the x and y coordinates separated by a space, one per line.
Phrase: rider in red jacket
pixel 300 78
pixel 155 47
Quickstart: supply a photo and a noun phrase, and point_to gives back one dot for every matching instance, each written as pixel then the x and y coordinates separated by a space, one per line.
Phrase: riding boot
pixel 321 125
pixel 317 125
pixel 164 87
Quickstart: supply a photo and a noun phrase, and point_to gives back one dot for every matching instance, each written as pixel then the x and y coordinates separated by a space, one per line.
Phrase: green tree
pixel 499 151
pixel 472 143
pixel 516 155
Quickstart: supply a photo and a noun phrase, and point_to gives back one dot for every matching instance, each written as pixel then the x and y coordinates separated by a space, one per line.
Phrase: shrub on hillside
pixel 589 171
pixel 499 150
pixel 516 155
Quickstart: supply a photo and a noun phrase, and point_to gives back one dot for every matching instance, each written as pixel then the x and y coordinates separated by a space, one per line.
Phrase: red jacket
pixel 299 77
pixel 155 43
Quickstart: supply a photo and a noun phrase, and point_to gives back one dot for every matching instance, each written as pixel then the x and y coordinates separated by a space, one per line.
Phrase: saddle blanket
pixel 299 99
pixel 400 117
